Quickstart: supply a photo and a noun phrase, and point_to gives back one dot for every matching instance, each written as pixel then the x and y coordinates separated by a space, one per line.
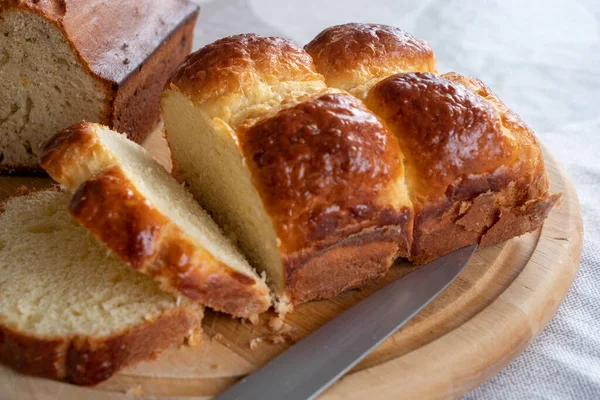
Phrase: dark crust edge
pixel 22 170
pixel 88 360
pixel 481 219
pixel 138 125
pixel 350 263
pixel 110 207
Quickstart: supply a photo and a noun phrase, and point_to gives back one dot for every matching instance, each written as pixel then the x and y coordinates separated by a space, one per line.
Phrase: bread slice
pixel 139 211
pixel 62 62
pixel 308 179
pixel 70 310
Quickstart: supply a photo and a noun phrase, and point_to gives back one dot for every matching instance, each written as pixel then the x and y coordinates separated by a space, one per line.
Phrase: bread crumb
pixel 276 339
pixel 253 319
pixel 194 338
pixel 282 305
pixel 464 207
pixel 135 391
pixel 217 336
pixel 275 324
pixel 254 343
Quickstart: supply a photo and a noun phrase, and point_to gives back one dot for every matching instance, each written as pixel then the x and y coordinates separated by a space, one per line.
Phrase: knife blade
pixel 317 361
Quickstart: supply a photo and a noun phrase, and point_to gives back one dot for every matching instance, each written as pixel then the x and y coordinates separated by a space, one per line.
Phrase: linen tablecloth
pixel 543 59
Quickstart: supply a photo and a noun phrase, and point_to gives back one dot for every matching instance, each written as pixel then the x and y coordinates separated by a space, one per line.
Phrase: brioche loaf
pixel 64 61
pixel 474 170
pixel 131 204
pixel 308 180
pixel 69 310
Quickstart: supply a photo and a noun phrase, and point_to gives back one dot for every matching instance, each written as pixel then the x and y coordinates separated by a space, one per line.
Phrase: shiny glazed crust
pixel 61 155
pixel 132 72
pixel 474 170
pixel 327 172
pixel 353 54
pixel 90 360
pixel 325 169
pixel 233 64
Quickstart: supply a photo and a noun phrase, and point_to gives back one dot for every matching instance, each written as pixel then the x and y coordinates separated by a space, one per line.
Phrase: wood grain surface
pixel 497 306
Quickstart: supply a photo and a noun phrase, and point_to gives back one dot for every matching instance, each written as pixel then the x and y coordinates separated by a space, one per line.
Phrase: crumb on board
pixel 275 324
pixel 134 391
pixel 276 339
pixel 254 343
pixel 194 338
pixel 253 319
pixel 217 336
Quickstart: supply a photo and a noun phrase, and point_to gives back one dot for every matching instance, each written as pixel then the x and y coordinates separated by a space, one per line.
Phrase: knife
pixel 317 361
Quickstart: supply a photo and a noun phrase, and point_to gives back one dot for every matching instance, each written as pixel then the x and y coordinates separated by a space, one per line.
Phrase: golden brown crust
pixel 132 73
pixel 235 63
pixel 446 131
pixel 475 172
pixel 352 54
pixel 322 169
pixel 111 208
pixel 89 360
pixel 61 155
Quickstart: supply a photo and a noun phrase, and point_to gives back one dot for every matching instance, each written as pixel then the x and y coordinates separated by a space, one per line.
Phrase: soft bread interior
pixel 169 197
pixel 206 155
pixel 43 87
pixel 57 280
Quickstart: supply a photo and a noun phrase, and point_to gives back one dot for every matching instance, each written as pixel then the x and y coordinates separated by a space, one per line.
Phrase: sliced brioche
pixel 128 200
pixel 308 180
pixel 70 310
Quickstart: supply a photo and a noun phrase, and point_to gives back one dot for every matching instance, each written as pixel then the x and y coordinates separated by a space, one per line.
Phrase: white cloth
pixel 543 59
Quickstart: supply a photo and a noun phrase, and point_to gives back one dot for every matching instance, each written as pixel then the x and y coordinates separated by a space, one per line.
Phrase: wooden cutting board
pixel 486 318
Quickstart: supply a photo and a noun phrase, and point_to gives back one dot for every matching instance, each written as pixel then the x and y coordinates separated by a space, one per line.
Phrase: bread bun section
pixel 133 206
pixel 71 310
pixel 307 179
pixel 475 172
pixel 354 57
